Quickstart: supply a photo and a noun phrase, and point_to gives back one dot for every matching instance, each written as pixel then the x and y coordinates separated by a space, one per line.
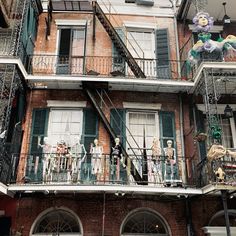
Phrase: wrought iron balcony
pixel 105 66
pixel 80 169
pixel 221 171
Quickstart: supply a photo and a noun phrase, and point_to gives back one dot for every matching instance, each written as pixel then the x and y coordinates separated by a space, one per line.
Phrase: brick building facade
pixel 92 72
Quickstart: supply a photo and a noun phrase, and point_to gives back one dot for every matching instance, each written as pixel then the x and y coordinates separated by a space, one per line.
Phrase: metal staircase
pixel 92 95
pixel 120 46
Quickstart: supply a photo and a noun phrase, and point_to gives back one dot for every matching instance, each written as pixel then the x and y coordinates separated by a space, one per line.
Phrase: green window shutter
pixel 200 128
pixel 34 171
pixel 162 54
pixel 90 127
pixel 167 128
pixel 118 62
pixel 39 129
pixel 117 121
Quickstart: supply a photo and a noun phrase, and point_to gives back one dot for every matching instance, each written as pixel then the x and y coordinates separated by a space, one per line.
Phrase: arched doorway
pixel 216 226
pixel 144 222
pixel 59 221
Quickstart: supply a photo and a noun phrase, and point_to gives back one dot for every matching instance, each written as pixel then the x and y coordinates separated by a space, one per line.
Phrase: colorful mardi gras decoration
pixel 203 23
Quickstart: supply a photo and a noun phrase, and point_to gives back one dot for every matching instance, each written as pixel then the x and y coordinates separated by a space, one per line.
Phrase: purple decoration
pixel 203 22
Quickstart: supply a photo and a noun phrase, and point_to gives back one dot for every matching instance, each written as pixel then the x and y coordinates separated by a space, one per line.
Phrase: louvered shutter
pixel 167 132
pixel 90 127
pixel 34 171
pixel 167 128
pixel 117 120
pixel 162 54
pixel 118 61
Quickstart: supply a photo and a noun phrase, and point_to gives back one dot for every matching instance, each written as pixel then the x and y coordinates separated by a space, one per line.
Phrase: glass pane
pixel 57 221
pixel 78 39
pixel 64 123
pixel 144 223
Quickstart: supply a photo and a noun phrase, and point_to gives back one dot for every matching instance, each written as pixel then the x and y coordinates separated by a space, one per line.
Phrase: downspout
pixel 174 3
pixel 188 214
pixel 183 161
pixel 226 213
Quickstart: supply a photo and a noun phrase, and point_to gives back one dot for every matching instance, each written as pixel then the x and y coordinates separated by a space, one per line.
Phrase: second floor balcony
pixel 55 169
pixel 105 66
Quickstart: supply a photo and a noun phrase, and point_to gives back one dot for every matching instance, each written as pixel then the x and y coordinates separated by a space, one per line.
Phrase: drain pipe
pixel 183 162
pixel 174 3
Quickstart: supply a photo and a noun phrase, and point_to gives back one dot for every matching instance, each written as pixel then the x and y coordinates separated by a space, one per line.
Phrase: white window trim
pixel 218 231
pixel 62 22
pixel 157 135
pixel 142 106
pixel 66 104
pixel 70 24
pixel 130 25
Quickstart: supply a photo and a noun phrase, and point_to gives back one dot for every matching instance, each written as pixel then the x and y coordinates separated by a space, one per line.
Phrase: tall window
pixel 71 50
pixel 153 45
pixel 141 44
pixel 141 124
pixel 64 124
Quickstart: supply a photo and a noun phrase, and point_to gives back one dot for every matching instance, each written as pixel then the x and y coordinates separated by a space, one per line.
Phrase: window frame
pixel 145 210
pixel 157 120
pixel 49 130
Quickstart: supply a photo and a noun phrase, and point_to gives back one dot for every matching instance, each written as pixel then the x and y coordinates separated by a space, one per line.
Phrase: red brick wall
pixel 38 99
pixel 102 45
pixel 89 209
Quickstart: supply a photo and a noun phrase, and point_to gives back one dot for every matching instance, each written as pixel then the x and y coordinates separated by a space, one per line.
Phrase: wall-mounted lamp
pixel 226 18
pixel 228 111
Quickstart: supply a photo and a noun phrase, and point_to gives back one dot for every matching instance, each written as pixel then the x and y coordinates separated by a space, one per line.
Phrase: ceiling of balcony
pixel 214 8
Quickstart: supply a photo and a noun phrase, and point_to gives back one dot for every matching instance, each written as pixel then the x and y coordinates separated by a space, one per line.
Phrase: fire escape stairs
pixel 91 91
pixel 120 46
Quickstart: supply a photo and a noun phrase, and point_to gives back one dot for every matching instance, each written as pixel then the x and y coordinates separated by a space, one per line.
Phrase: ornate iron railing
pixel 56 168
pixel 105 66
pixel 83 169
pixel 221 170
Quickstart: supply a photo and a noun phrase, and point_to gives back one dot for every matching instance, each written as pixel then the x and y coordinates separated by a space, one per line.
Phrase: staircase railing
pixel 107 125
pixel 121 47
pixel 138 159
pixel 126 38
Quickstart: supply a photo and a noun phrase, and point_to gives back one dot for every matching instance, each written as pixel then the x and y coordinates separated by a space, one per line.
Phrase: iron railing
pixel 220 170
pixel 54 168
pixel 81 169
pixel 104 66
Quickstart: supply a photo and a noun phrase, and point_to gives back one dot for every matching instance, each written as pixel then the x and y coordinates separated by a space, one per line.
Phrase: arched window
pixel 57 222
pixel 216 226
pixel 144 222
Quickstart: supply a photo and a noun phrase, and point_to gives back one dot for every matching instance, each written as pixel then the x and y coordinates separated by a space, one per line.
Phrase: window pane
pixel 63 124
pixel 139 123
pixel 144 223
